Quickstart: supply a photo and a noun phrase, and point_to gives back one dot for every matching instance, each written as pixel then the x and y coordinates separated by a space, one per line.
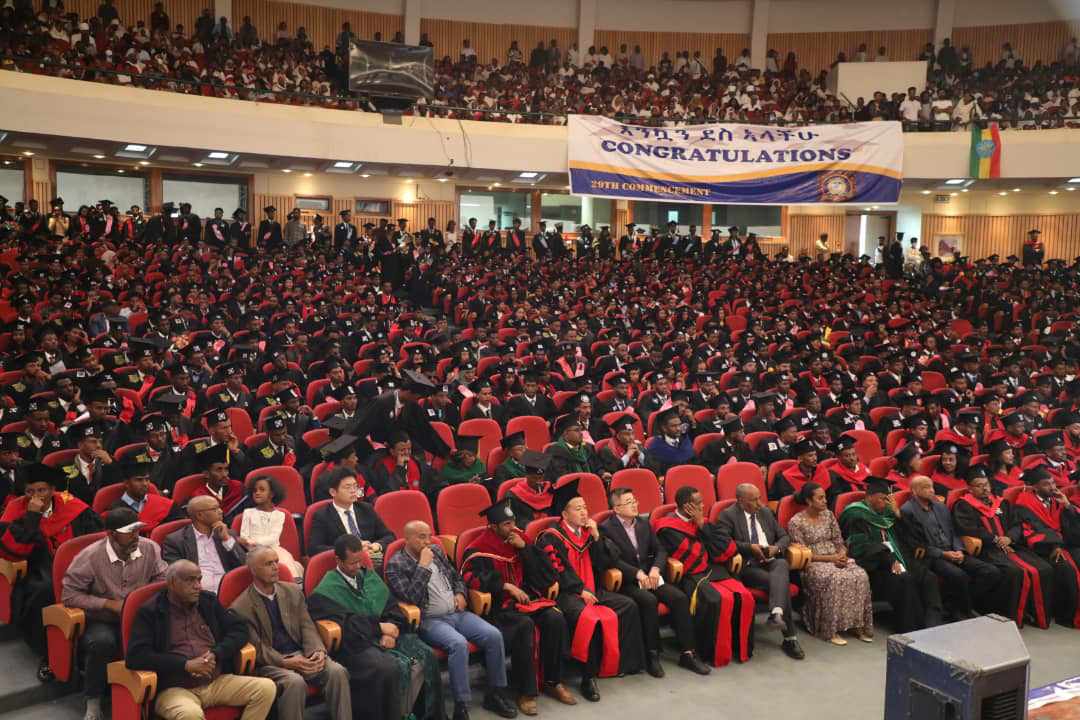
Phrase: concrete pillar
pixel 586 27
pixel 705 224
pixel 587 211
pixel 412 22
pixel 223 9
pixel 535 199
pixel 943 25
pixel 759 33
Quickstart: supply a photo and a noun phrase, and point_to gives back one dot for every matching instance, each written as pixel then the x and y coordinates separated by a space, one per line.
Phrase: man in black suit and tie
pixel 346 514
pixel 642 558
pixel 761 542
pixel 398 410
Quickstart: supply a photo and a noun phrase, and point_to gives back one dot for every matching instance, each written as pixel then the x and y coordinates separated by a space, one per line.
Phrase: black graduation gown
pixel 269 234
pixel 606 636
pixel 1045 530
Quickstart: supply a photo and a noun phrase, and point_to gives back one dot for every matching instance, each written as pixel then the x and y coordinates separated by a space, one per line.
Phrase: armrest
pixel 972 545
pixel 245 660
pixel 412 613
pixel 140 684
pixel 70 621
pixel 553 591
pixel 330 632
pixel 449 544
pixel 675 570
pixel 612 579
pixel 480 602
pixel 12 570
pixel 735 564
pixel 774 505
pixel 798 556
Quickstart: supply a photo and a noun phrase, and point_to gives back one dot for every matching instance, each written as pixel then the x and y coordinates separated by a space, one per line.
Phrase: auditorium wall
pixel 321 23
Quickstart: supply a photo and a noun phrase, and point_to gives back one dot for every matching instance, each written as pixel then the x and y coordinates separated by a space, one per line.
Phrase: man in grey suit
pixel 761 542
pixel 207 542
pixel 288 649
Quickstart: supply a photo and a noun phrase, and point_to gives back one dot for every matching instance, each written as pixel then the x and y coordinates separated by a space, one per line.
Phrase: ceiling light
pixel 307 174
pixel 7 162
pixel 120 171
pixel 343 164
pixel 964 190
pixel 528 174
pixel 1053 192
pixel 144 163
pixel 1071 189
pixel 1003 193
pixel 132 147
pixel 197 164
pixel 27 153
pixel 286 170
pixel 957 181
pixel 1074 180
pixel 443 179
pixel 953 194
pixel 99 157
pixel 497 184
pixel 1016 189
pixel 365 175
pixel 874 207
pixel 217 155
pixel 926 192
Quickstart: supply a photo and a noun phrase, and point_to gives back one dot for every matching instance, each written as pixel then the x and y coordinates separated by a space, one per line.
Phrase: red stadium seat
pixel 254 440
pixel 63 625
pixel 59 458
pixel 313 389
pixel 400 507
pixel 487 430
pixel 590 488
pixel 504 487
pixel 239 579
pixel 537 434
pixel 459 507
pixel 533 529
pixel 308 515
pixel 880 467
pixel 661 511
pixel 845 499
pixel 696 476
pixel 644 484
pixel 123 451
pixel 108 495
pixel 165 529
pixel 775 469
pixel 755 438
pixel 880 412
pixel 867 445
pixel 929 464
pixel 291 482
pixel 463 540
pixel 496 457
pixel 703 440
pixel 446 433
pixel 290 538
pixel 892 440
pixel 787 510
pixel 316 438
pixel 730 476
pixel 325 409
pixel 718 507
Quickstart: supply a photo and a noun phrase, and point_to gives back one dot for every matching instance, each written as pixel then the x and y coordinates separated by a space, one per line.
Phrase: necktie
pixel 754 540
pixel 353 529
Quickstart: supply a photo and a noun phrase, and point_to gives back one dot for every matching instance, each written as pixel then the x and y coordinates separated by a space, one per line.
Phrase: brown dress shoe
pixel 560 693
pixel 527 704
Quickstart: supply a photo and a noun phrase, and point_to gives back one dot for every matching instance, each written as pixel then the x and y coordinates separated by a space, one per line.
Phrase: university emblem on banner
pixel 837 186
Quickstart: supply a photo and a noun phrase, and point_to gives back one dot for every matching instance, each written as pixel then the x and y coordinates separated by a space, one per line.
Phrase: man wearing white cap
pixel 98 580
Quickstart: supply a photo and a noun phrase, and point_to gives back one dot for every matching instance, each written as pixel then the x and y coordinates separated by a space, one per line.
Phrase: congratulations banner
pixel 745 164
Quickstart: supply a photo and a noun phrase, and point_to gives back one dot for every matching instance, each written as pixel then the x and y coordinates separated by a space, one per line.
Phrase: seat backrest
pixel 533 529
pixel 291 483
pixel 954 495
pixel 788 509
pixel 464 538
pixel 880 412
pixel 845 499
pixel 445 433
pixel 254 439
pixel 316 438
pixel 929 464
pixel 756 438
pixel 893 438
pixel 775 469
pixel 702 441
pixel 900 498
pixel 660 511
pixel 881 466
pixel 59 457
pixel 317 567
pixel 135 599
pixel 867 444
pixel 163 530
pixel 487 430
pixel 590 488
pixel 391 550
pixel 696 476
pixel 535 428
pixel 496 457
pixel 504 487
pixel 185 488
pixel 718 507
pixel 731 475
pixel 65 554
pixel 309 514
pixel 400 507
pixel 238 579
pixel 644 484
pixel 106 496
pixel 241 423
pixel 124 450
pixel 313 388
pixel 639 429
pixel 459 507
pixel 290 538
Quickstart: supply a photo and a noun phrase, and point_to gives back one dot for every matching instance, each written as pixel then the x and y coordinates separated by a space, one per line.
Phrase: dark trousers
pixel 972 578
pixel 678 605
pixel 99 645
pixel 775 577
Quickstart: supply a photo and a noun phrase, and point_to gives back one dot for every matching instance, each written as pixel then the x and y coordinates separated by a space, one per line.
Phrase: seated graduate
pixel 530 497
pixel 847 474
pixel 570 453
pixel 623 451
pixel 214 462
pixel 732 448
pixel 605 627
pixel 463 466
pixel 152 508
pixel 672 444
pixel 946 476
pixel 895 574
pixel 510 468
pixel 501 563
pixel 341 452
pixel 791 480
pixel 906 467
pixel 392 673
pixel 397 468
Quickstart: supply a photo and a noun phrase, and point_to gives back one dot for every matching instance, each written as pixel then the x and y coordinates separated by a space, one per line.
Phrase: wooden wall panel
pixel 42 192
pixel 491 40
pixel 1031 41
pixel 181 12
pixel 815 51
pixel 985 235
pixel 654 44
pixel 806 229
pixel 321 23
pixel 283 203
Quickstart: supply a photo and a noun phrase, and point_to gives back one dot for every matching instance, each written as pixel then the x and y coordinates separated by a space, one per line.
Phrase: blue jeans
pixel 453 633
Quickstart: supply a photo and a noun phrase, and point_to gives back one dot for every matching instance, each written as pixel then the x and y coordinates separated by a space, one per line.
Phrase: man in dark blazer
pixel 398 410
pixel 207 542
pixel 642 559
pixel 531 401
pixel 761 542
pixel 346 514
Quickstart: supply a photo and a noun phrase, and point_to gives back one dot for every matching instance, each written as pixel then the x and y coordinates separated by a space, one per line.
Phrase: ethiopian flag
pixel 985 152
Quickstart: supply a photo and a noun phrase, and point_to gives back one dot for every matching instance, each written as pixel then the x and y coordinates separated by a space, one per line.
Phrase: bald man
pixel 186 637
pixel 207 542
pixel 421 574
pixel 967 582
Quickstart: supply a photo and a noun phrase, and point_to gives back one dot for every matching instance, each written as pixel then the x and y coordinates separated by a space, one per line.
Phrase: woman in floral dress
pixel 837 589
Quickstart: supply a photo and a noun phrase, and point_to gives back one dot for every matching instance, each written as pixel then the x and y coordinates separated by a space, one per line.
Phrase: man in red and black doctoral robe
pixel 152 508
pixel 1050 527
pixel 722 607
pixel 501 563
pixel 981 514
pixel 33 526
pixel 605 626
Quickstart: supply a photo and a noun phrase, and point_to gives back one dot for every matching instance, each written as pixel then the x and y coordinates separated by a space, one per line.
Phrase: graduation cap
pixel 151 422
pixel 137 465
pixel 996 446
pixel 915 421
pixel 1012 420
pixel 804 446
pixel 974 472
pixel 39 472
pixel 562 496
pixel 231 369
pixel 621 423
pixel 843 443
pixel 732 426
pixel 1049 440
pixel 82 430
pixel 905 453
pixel 276 422
pixel 787 423
pixel 418 383
pixel 1035 475
pixel 339 448
pixel 284 396
pixel 971 416
pixel 123 520
pixel 513 439
pixel 239 213
pixel 985 398
pixel 269 209
pixel 498 513
pixel 1068 418
pixel 763 398
pixel 216 417
pixel 9 442
pixel 664 416
pixel 140 348
pixel 469 443
pixel 878 486
pixel 535 463
pixel 214 454
pixel 564 423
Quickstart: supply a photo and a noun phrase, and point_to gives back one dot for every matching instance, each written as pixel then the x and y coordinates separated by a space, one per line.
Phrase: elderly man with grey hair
pixel 762 541
pixel 185 636
pixel 287 644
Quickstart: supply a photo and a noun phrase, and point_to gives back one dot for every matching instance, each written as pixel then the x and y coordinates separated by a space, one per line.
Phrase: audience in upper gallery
pixel 679 88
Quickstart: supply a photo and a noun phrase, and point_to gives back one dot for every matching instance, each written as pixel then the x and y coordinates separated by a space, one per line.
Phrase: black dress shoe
pixel 461 711
pixel 691 662
pixel 497 703
pixel 589 690
pixel 652 664
pixel 793 649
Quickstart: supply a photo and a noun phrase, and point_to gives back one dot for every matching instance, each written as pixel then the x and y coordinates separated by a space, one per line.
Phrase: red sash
pixel 56 528
pixel 537 500
pixel 154 511
pixel 507 561
pixel 412 471
pixel 948 481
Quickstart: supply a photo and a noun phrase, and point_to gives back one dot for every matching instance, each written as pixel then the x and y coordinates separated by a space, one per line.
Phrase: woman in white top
pixel 263 524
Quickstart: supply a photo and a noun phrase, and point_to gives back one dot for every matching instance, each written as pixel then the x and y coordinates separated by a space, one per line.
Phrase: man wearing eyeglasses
pixel 641 559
